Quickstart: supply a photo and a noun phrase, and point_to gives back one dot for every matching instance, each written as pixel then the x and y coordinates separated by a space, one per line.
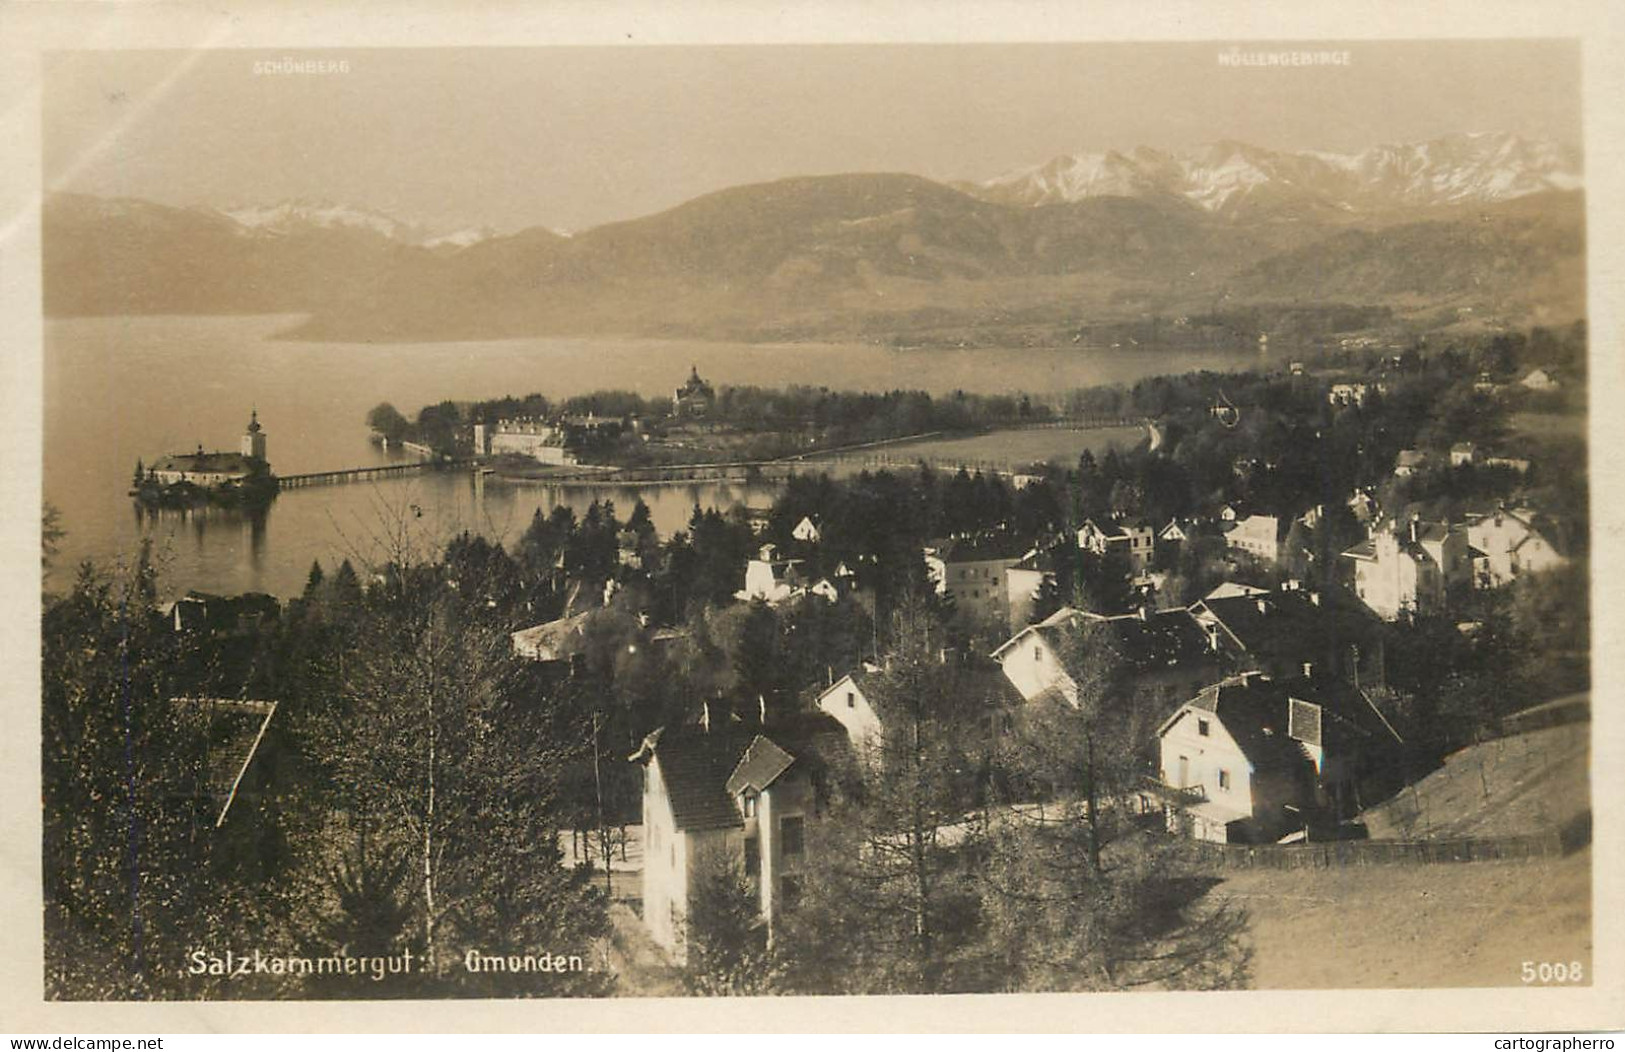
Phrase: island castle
pixel 218 474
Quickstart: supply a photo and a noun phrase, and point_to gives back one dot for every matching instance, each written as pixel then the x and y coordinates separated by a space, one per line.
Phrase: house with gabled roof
pixel 1257 535
pixel 558 641
pixel 1177 531
pixel 1280 632
pixel 771 578
pixel 1164 653
pixel 1133 542
pixel 727 795
pixel 1506 545
pixel 1410 569
pixel 973 572
pixel 845 702
pixel 1252 759
pixel 1541 380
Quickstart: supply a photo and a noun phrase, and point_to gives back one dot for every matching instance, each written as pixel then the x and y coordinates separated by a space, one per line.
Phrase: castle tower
pixel 254 437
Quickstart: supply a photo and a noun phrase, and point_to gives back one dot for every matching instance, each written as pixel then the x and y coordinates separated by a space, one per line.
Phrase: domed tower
pixel 254 437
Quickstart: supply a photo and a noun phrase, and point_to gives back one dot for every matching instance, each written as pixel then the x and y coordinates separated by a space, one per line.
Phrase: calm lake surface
pixel 122 389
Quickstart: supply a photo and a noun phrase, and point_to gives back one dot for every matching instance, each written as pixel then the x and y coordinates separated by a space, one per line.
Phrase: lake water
pixel 127 388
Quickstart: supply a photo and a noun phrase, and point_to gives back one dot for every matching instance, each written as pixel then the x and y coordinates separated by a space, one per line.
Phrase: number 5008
pixel 1553 972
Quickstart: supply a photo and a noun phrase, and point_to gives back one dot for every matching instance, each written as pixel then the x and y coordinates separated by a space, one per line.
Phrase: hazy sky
pixel 572 137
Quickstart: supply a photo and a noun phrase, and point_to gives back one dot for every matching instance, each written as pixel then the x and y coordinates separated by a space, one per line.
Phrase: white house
pixel 1253 759
pixel 770 578
pixel 1177 531
pixel 523 436
pixel 844 702
pixel 1031 662
pixel 1409 462
pixel 1540 380
pixel 1023 582
pixel 806 531
pixel 1258 535
pixel 1410 569
pixel 725 797
pixel 1167 653
pixel 1507 545
pixel 1462 453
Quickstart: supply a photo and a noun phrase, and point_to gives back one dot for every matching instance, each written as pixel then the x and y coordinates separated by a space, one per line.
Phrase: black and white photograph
pixel 778 519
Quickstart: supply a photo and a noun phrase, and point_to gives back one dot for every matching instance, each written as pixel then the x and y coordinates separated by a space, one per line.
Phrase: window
pixel 1038 653
pixel 1202 728
pixel 753 857
pixel 789 892
pixel 851 700
pixel 747 801
pixel 1224 779
pixel 792 829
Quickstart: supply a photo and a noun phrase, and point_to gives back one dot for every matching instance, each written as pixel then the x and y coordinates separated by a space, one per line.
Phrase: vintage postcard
pixel 558 512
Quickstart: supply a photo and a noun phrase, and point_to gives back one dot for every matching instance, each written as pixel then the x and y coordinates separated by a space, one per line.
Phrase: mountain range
pixel 1490 222
pixel 1234 178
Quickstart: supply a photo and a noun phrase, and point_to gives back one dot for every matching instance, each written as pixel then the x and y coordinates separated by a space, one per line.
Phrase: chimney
pixel 761 710
pixel 1263 605
pixel 1143 611
pixel 705 717
pixel 1308 670
pixel 1314 597
pixel 1415 518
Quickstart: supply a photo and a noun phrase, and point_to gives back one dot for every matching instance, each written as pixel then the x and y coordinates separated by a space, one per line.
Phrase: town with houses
pixel 1211 650
pixel 758 522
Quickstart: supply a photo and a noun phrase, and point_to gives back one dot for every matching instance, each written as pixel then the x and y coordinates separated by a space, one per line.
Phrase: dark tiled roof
pixel 1269 718
pixel 1254 712
pixel 703 771
pixel 1290 628
pixel 1109 529
pixel 695 765
pixel 1347 715
pixel 982 549
pixel 1160 640
pixel 202 462
pixel 762 763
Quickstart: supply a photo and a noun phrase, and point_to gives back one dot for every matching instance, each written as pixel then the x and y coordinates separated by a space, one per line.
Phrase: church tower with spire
pixel 254 437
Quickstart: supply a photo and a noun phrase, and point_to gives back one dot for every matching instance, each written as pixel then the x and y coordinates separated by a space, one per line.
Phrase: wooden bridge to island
pixel 367 474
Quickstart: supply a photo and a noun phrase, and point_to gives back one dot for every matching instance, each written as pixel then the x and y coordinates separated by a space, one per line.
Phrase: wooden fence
pixel 1325 854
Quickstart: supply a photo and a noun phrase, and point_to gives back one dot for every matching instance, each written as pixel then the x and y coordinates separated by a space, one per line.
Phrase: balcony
pixel 1178 796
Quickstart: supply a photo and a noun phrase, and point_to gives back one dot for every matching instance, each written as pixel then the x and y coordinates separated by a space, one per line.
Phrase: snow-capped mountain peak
pixel 1220 176
pixel 324 214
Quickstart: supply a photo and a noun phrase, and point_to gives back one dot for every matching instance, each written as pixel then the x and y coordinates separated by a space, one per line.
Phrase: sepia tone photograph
pixel 845 519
